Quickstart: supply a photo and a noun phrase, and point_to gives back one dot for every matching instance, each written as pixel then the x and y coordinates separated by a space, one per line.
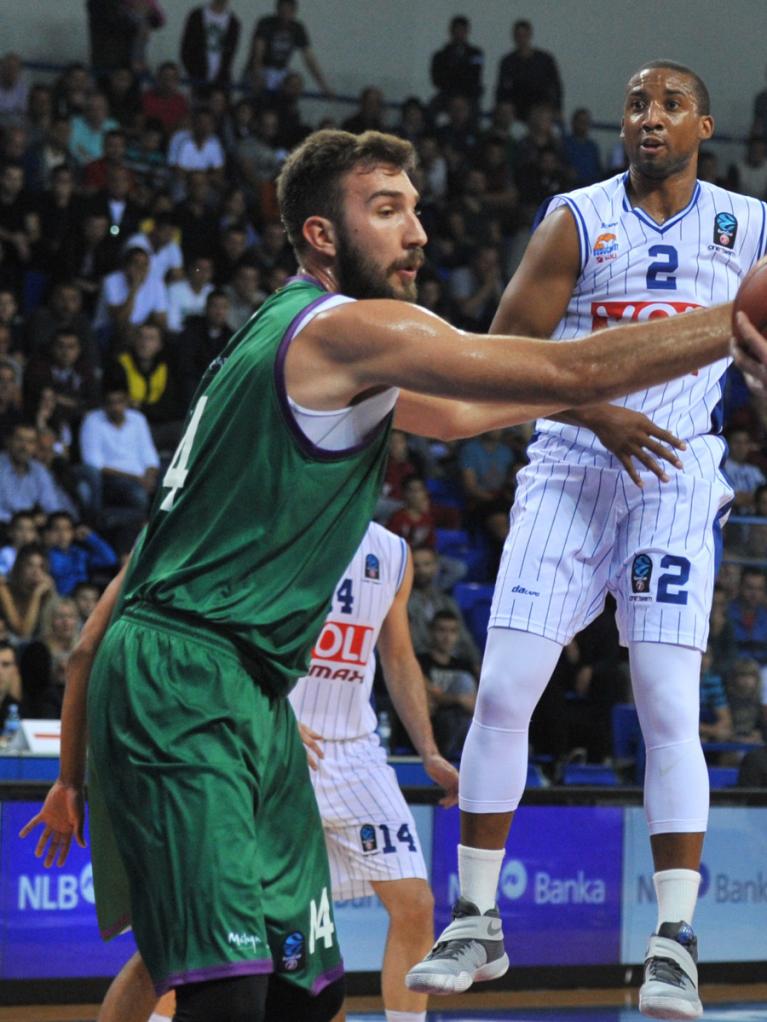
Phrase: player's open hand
pixel 445 775
pixel 61 818
pixel 636 441
pixel 749 349
pixel 311 740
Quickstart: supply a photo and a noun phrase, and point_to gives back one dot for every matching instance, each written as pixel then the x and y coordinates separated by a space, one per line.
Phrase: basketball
pixel 752 297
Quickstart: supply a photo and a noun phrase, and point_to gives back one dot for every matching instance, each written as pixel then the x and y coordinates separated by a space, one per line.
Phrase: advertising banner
pixel 560 888
pixel 732 905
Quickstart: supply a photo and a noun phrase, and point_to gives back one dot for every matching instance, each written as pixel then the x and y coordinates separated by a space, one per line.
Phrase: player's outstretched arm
pixel 357 347
pixel 534 302
pixel 407 688
pixel 62 814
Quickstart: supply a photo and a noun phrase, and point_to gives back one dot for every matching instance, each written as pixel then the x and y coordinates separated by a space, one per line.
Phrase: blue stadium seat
pixel 446 492
pixel 590 773
pixel 457 543
pixel 722 777
pixel 535 778
pixel 474 599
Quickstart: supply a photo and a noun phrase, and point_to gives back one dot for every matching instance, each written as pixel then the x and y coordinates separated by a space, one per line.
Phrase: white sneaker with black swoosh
pixel 469 950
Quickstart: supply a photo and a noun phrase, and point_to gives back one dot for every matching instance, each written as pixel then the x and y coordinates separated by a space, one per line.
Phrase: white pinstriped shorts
pixel 369 830
pixel 578 532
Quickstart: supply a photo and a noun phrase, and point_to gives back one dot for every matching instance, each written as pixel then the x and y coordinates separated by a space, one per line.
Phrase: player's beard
pixel 360 277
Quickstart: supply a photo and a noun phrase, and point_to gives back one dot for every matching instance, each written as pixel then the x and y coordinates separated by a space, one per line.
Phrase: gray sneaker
pixel 670 988
pixel 469 950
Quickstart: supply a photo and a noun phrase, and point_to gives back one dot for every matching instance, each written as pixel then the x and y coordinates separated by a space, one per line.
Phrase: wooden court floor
pixel 495 1004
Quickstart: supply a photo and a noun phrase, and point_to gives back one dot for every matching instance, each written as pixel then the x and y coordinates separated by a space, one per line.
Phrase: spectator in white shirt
pixel 116 444
pixel 131 296
pixel 187 297
pixel 201 149
pixel 165 259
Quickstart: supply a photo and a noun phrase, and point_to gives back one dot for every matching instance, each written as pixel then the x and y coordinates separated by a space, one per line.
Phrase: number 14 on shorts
pixel 369 838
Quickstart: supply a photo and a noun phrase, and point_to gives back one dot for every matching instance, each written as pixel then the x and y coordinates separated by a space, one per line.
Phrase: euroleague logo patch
pixel 372 567
pixel 293 955
pixel 641 574
pixel 368 837
pixel 725 230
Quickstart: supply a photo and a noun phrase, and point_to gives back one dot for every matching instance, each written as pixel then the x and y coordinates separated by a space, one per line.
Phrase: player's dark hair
pixel 309 183
pixel 702 98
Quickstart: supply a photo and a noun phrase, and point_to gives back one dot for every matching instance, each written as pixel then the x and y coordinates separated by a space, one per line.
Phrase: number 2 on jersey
pixel 660 274
pixel 175 477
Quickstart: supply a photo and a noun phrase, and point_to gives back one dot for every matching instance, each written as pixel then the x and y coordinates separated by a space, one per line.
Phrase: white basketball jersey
pixel 334 697
pixel 633 269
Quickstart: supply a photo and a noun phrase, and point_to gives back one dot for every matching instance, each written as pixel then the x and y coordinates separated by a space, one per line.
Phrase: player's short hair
pixel 309 183
pixel 702 97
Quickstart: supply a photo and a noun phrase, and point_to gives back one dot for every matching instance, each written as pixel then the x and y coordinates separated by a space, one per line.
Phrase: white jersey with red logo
pixel 635 269
pixel 334 697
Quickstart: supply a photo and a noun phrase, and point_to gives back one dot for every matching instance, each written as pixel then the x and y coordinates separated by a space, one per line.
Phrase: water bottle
pixel 384 730
pixel 12 726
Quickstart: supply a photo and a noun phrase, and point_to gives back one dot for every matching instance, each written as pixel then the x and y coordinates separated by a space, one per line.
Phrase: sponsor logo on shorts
pixel 372 568
pixel 725 230
pixel 368 838
pixel 293 955
pixel 247 940
pixel 523 591
pixel 641 576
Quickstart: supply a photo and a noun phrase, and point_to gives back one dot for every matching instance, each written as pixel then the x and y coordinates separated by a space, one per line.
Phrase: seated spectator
pixel 59 209
pixel 86 142
pixel 24 482
pixel 201 150
pixel 450 685
pixel 10 395
pixel 721 636
pixel 123 91
pixel 426 599
pixel 13 321
pixel 235 212
pixel 130 297
pixel 26 591
pixel 485 463
pixel 39 113
pixel 21 530
pixel 744 695
pixel 202 340
pixel 187 297
pixel 52 451
pixel 748 616
pixel 165 101
pixel 415 521
pixel 275 251
pixel 65 372
pixel 744 476
pixel 195 218
pixel 399 468
pixel 258 158
pixel 10 680
pixel 86 596
pixel 75 552
pixel 149 375
pixel 749 541
pixel 159 242
pixel 116 203
pixel 43 662
pixel 48 153
pixel 96 172
pixel 87 257
pixel 244 293
pixel 63 311
pixel 19 224
pixel 117 449
pixel 581 152
pixel 14 90
pixel 231 251
pixel 146 158
pixel 286 101
pixel 476 289
pixel 71 90
pixel 715 715
pixel 370 114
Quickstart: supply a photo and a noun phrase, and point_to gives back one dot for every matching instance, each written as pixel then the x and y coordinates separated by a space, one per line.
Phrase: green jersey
pixel 253 524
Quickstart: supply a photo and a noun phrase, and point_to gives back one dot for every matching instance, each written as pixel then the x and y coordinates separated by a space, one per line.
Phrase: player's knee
pixel 237 999
pixel 287 1001
pixel 413 912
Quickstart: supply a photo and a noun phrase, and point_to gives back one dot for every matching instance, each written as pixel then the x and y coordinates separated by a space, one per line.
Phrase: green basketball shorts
pixel 203 814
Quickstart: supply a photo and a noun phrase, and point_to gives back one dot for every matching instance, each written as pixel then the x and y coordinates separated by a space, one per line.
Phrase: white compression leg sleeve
pixel 515 670
pixel 666 682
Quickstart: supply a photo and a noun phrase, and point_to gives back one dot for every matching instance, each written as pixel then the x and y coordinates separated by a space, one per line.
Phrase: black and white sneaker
pixel 670 988
pixel 469 950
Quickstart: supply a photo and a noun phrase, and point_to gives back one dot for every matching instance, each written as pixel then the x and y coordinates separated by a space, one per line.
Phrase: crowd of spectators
pixel 139 230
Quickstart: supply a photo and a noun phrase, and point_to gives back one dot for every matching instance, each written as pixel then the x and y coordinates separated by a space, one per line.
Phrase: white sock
pixel 677 891
pixel 478 873
pixel 405 1016
pixel 154 1017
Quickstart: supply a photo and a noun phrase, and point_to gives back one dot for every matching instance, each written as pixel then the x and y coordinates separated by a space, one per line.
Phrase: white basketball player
pixel 369 830
pixel 651 243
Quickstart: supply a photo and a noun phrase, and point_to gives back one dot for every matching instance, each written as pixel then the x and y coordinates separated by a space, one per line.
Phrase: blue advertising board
pixel 47 916
pixel 560 887
pixel 732 903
